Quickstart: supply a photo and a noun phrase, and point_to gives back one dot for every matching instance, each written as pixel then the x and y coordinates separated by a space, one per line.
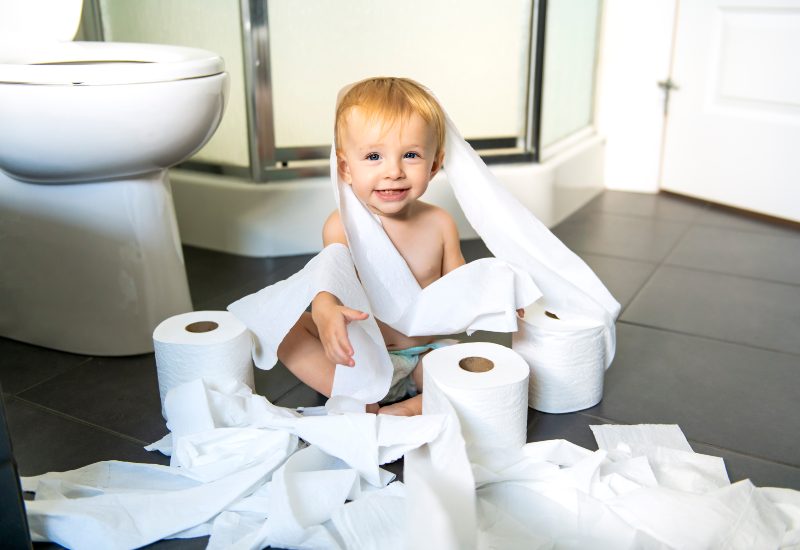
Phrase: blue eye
pixel 411 155
pixel 373 156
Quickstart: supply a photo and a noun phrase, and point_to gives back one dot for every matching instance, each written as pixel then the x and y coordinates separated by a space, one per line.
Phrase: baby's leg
pixel 302 353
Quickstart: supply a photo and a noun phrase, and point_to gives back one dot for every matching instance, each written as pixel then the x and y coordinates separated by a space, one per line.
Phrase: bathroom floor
pixel 708 338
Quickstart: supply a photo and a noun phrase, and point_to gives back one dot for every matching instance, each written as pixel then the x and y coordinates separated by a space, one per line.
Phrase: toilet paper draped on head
pixel 530 265
pixel 511 232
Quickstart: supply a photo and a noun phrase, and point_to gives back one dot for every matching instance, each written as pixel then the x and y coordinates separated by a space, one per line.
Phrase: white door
pixel 733 125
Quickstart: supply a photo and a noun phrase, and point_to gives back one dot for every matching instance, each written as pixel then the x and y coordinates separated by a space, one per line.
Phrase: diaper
pixel 404 362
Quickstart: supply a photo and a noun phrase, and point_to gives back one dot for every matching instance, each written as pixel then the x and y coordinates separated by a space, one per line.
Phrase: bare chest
pixel 422 248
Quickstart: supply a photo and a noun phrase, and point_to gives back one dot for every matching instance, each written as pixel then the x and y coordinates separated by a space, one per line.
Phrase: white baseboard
pixel 285 218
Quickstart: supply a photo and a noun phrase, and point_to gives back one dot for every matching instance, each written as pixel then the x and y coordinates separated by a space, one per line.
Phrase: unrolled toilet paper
pixel 487 386
pixel 566 353
pixel 213 345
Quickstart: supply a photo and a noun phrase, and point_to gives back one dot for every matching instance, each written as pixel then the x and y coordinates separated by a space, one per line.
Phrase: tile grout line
pixel 658 266
pixel 711 338
pixel 88 424
pixel 696 441
pixel 729 274
pixel 664 263
pixel 40 382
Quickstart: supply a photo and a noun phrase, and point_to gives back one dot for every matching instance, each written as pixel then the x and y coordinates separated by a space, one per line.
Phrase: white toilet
pixel 90 258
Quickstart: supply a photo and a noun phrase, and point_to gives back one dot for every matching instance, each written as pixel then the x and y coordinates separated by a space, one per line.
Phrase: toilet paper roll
pixel 487 386
pixel 566 353
pixel 201 344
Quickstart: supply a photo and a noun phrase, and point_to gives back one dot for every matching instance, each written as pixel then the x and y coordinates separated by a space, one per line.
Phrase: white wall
pixel 636 43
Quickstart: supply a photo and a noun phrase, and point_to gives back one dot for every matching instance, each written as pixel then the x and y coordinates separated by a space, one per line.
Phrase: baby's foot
pixel 409 407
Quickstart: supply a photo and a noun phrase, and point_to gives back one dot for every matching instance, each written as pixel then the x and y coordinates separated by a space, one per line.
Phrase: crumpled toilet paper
pixel 644 488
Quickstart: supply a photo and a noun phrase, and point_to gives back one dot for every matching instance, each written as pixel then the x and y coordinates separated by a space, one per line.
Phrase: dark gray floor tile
pixel 274 383
pixel 623 278
pixel 118 393
pixel 229 295
pixel 735 309
pixel 301 396
pixel 500 338
pixel 763 473
pixel 24 365
pixel 45 442
pixel 645 239
pixel 720 216
pixel 769 256
pixel 660 206
pixel 731 396
pixel 198 543
pixel 213 273
pixel 474 249
pixel 574 427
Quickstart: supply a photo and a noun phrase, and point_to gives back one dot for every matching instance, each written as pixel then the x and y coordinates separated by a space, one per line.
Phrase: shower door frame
pixel 270 163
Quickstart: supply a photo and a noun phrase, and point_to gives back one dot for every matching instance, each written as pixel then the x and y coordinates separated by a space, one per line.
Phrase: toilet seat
pixel 106 63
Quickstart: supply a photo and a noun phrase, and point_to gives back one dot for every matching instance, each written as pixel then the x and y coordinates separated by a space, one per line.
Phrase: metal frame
pixel 92 22
pixel 536 74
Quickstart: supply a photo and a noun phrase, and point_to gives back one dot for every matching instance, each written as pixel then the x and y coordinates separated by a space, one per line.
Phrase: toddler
pixel 389 138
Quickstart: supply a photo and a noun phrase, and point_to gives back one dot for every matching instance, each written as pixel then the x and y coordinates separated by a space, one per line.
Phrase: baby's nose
pixel 394 170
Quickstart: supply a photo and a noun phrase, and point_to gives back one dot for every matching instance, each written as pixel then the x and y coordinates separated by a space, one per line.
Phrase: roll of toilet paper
pixel 486 385
pixel 566 353
pixel 201 344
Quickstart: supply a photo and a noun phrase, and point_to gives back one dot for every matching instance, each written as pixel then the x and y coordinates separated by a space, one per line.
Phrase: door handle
pixel 667 85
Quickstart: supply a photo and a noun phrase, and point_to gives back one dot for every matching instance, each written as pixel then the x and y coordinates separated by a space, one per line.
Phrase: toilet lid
pixel 105 63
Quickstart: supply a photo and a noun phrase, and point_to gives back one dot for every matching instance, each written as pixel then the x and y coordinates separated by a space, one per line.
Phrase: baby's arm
pixel 452 256
pixel 330 316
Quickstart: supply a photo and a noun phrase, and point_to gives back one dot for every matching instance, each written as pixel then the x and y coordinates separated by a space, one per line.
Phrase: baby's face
pixel 388 167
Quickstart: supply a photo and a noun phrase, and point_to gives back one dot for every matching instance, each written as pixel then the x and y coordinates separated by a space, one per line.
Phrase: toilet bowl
pixel 90 257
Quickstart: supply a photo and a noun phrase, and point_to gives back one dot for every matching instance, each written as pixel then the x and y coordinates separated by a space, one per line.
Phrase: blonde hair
pixel 391 100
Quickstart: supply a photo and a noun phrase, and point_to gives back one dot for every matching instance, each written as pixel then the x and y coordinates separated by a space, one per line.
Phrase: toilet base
pixel 90 268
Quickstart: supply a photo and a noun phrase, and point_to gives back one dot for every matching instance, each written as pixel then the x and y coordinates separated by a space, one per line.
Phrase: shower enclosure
pixel 516 76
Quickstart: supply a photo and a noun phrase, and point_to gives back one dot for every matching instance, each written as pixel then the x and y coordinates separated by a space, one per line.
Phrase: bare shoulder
pixel 439 217
pixel 333 230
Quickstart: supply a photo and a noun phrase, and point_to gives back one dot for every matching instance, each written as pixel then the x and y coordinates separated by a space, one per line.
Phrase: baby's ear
pixel 343 168
pixel 437 163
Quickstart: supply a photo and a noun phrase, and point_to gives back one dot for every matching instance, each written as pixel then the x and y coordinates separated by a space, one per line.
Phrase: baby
pixel 389 136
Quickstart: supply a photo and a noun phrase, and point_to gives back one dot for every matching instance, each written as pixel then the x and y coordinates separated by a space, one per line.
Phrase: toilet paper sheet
pixel 272 311
pixel 498 288
pixel 545 494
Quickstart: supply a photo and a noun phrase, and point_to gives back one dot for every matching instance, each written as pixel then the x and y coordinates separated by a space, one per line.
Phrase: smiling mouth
pixel 389 194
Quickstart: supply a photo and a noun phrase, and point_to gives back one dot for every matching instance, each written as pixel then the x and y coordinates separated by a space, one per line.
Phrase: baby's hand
pixel 332 322
pixel 521 313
